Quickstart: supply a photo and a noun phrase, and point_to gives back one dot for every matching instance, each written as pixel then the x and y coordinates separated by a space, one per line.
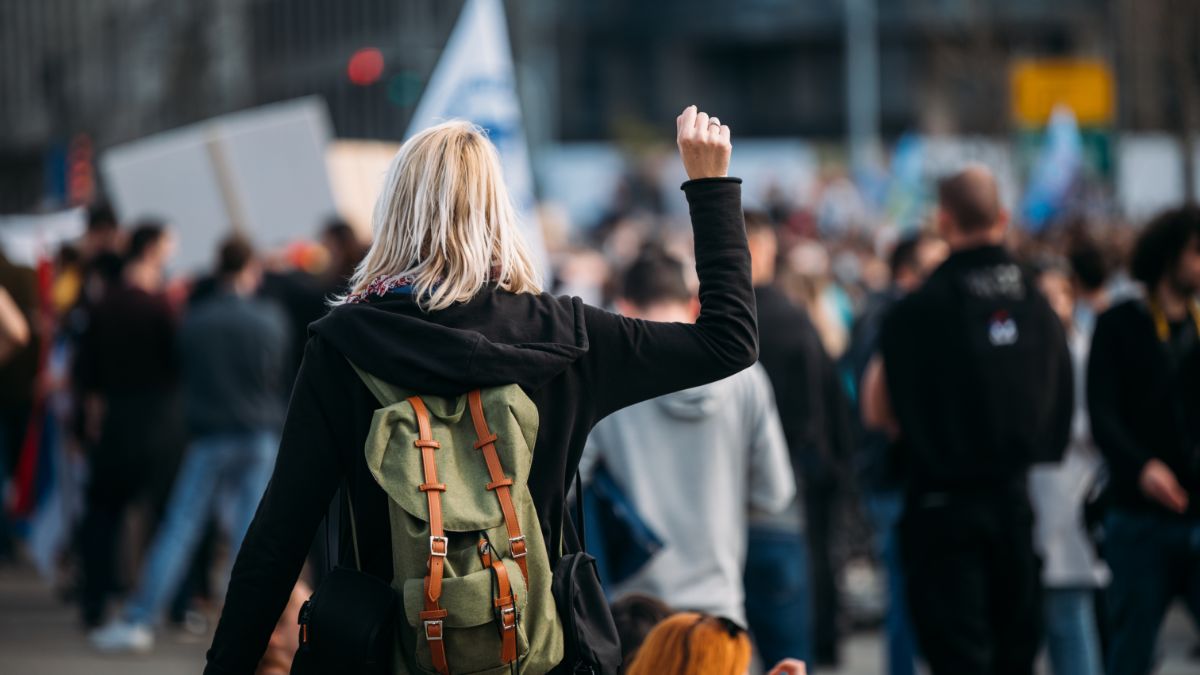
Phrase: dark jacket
pixel 874 453
pixel 1144 402
pixel 801 373
pixel 979 376
pixel 577 363
pixel 234 354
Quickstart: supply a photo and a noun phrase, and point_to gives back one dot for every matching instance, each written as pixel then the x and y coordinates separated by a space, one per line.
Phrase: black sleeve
pixel 800 409
pixel 307 473
pixel 902 361
pixel 633 360
pixel 85 369
pixel 838 424
pixel 1125 456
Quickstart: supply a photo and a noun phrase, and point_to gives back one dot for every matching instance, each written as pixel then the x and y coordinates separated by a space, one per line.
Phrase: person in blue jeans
pixel 233 355
pixel 778 596
pixel 1143 393
pixel 1071 570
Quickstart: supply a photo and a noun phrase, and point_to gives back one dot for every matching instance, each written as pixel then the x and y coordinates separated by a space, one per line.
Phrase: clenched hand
pixel 703 144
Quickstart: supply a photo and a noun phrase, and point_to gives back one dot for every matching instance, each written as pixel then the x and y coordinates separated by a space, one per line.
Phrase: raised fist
pixel 703 144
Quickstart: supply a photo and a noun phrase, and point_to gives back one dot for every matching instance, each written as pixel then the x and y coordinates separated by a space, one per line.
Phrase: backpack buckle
pixel 512 547
pixel 431 636
pixel 508 617
pixel 433 546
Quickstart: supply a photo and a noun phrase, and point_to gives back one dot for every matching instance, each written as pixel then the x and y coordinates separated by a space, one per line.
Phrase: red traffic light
pixel 365 67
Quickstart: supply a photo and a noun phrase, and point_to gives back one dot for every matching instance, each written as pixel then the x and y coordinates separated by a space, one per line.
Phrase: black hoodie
pixel 577 363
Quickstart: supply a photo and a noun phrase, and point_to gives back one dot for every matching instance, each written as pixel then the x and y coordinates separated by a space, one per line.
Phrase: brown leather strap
pixel 500 482
pixel 506 606
pixel 432 617
pixel 505 603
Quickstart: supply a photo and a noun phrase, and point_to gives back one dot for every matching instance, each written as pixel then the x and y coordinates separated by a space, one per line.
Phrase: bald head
pixel 971 200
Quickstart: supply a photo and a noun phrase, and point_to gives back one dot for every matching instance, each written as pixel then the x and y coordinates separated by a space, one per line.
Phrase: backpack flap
pixel 473 632
pixel 396 465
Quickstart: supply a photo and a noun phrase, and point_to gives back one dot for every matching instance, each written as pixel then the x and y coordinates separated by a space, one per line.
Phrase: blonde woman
pixel 447 300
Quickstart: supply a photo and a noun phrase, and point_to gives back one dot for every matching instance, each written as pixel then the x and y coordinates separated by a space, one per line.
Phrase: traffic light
pixel 365 66
pixel 81 172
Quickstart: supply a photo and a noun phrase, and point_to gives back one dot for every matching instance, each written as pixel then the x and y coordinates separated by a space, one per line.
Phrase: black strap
pixel 353 525
pixel 330 561
pixel 579 511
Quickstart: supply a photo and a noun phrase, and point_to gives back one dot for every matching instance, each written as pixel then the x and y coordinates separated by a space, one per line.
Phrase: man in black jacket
pixel 975 377
pixel 1144 404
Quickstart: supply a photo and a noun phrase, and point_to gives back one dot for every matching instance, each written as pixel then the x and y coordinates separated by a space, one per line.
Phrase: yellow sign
pixel 1083 85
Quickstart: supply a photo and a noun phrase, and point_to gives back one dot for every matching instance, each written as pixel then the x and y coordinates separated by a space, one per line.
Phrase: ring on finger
pixel 713 121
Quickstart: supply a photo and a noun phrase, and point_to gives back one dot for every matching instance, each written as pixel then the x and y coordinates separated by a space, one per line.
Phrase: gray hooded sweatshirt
pixel 695 463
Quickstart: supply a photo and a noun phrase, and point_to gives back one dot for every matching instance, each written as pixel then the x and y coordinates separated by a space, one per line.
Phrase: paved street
pixel 39 636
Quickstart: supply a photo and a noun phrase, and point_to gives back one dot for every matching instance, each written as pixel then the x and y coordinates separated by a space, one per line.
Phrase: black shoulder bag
pixel 348 625
pixel 591 644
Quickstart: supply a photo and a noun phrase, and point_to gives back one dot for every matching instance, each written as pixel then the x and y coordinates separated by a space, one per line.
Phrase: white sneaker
pixel 122 637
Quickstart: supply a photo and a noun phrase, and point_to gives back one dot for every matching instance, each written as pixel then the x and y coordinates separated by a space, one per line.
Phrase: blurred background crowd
pixel 161 157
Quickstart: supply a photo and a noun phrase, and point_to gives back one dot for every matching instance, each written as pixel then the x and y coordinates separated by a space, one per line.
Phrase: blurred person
pixel 635 615
pixel 1143 393
pixel 722 446
pixel 787 568
pixel 690 643
pixel 1089 278
pixel 808 282
pixel 911 261
pixel 233 351
pixel 974 379
pixel 102 234
pixel 447 300
pixel 345 253
pixel 1071 569
pixel 101 250
pixel 18 375
pixel 305 296
pixel 127 372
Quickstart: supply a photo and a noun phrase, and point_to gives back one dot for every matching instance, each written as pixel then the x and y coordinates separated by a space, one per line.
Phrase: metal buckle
pixel 434 622
pixel 506 612
pixel 445 546
pixel 512 541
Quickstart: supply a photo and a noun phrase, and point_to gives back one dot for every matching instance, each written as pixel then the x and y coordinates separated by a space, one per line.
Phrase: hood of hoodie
pixel 496 338
pixel 693 404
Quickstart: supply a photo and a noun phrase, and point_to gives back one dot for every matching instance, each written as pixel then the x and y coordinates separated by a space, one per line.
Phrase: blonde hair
pixel 693 644
pixel 444 220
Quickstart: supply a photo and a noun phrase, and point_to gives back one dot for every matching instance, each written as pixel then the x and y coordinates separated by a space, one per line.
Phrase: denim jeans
pixel 778 596
pixel 1154 559
pixel 223 475
pixel 885 509
pixel 1072 638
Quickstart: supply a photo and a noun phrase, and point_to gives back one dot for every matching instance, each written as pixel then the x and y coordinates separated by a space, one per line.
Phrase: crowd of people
pixel 1007 423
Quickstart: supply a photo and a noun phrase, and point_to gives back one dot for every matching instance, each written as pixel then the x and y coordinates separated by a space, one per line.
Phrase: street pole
pixel 862 83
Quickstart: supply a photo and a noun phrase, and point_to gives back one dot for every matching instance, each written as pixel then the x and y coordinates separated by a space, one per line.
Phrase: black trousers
pixel 820 502
pixel 133 463
pixel 973 583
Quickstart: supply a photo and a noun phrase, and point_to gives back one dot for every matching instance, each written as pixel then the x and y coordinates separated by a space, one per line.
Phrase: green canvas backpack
pixel 469 561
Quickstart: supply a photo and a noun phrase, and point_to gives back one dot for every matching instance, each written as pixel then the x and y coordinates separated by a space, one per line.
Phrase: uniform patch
pixel 1002 329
